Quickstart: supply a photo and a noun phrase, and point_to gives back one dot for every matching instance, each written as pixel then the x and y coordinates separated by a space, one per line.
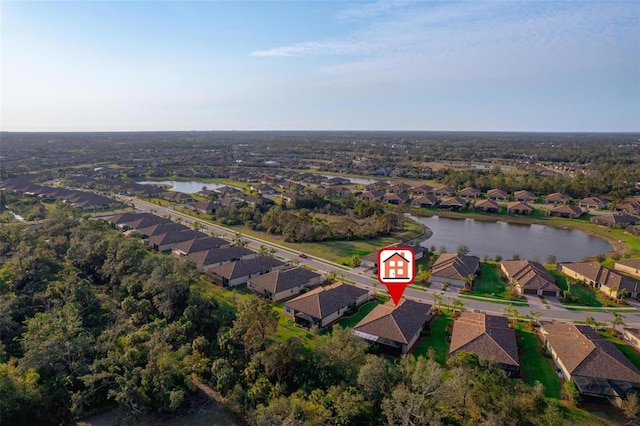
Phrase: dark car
pixel 302 255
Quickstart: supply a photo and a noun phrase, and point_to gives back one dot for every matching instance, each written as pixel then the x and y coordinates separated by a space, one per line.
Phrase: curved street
pixel 553 310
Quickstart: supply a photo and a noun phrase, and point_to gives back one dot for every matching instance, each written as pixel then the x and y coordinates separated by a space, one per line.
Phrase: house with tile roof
pixel 487 336
pixel 530 278
pixel 324 305
pixel 486 206
pixel 519 207
pixel 238 272
pixel 594 364
pixel 470 192
pixel 395 329
pixel 454 268
pixel 596 275
pixel 629 266
pixel 425 201
pixel 524 196
pixel 444 191
pixel 557 198
pixel 565 211
pixel 284 283
pixel 453 203
pixel 496 194
pixel 593 203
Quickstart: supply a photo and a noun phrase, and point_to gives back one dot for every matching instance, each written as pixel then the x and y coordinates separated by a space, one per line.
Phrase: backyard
pixel 437 340
pixel 534 366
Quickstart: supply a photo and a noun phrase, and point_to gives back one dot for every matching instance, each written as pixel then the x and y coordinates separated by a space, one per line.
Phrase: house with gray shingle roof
pixel 629 266
pixel 530 277
pixel 166 241
pixel 487 336
pixel 240 271
pixel 199 244
pixel 207 259
pixel 395 329
pixel 324 305
pixel 593 363
pixel 284 283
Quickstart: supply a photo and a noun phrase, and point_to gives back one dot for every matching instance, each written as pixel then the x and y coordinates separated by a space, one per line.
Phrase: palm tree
pixel 536 316
pixel 590 321
pixel 618 319
pixel 468 280
pixel 511 313
pixel 457 305
pixel 621 294
pixel 437 299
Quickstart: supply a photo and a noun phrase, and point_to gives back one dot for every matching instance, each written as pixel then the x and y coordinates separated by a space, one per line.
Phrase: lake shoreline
pixel 617 246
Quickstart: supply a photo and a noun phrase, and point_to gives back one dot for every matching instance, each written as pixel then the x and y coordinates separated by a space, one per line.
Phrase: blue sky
pixel 269 65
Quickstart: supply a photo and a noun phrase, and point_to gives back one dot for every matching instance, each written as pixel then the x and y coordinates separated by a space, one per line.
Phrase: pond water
pixel 188 187
pixel 506 239
pixel 356 180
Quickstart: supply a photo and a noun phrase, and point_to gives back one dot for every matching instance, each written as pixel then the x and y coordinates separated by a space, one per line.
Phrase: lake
pixel 356 180
pixel 505 239
pixel 189 187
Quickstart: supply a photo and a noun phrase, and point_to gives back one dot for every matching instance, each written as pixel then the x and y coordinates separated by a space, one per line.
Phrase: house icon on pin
pixel 397 267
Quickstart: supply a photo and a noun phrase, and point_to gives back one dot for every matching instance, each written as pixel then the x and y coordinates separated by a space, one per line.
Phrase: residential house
pixel 444 191
pixel 166 241
pixel 370 260
pixel 487 336
pixel 161 228
pixel 371 195
pixel 399 187
pixel 615 220
pixel 177 197
pixel 596 275
pixel 395 329
pixel 425 201
pixel 629 266
pixel 454 268
pixel 123 220
pixel 565 211
pixel 469 192
pixel 453 203
pixel 142 221
pixel 594 364
pixel 258 200
pixel 557 198
pixel 206 207
pixel 632 335
pixel 324 305
pixel 519 207
pixel 496 194
pixel 423 189
pixel 524 196
pixel 396 198
pixel 631 207
pixel 198 244
pixel 284 283
pixel 530 278
pixel 486 206
pixel 240 271
pixel 207 259
pixel 593 203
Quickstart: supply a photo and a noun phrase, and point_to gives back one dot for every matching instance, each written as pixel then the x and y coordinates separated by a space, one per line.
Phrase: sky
pixel 320 65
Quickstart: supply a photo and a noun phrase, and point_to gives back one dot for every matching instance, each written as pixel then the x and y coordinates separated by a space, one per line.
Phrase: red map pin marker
pixel 396 270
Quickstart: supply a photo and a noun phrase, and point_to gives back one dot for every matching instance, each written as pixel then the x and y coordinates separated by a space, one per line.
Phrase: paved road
pixel 362 278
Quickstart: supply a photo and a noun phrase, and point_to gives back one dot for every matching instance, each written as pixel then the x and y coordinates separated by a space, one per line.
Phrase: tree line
pixel 91 320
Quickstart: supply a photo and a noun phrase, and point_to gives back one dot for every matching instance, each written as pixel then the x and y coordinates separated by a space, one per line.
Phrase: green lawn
pixel 358 316
pixel 584 295
pixel 437 339
pixel 534 366
pixel 489 283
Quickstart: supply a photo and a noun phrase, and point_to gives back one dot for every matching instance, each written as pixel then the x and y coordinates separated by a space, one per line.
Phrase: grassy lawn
pixel 534 366
pixel 362 312
pixel 584 295
pixel 437 339
pixel 489 283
